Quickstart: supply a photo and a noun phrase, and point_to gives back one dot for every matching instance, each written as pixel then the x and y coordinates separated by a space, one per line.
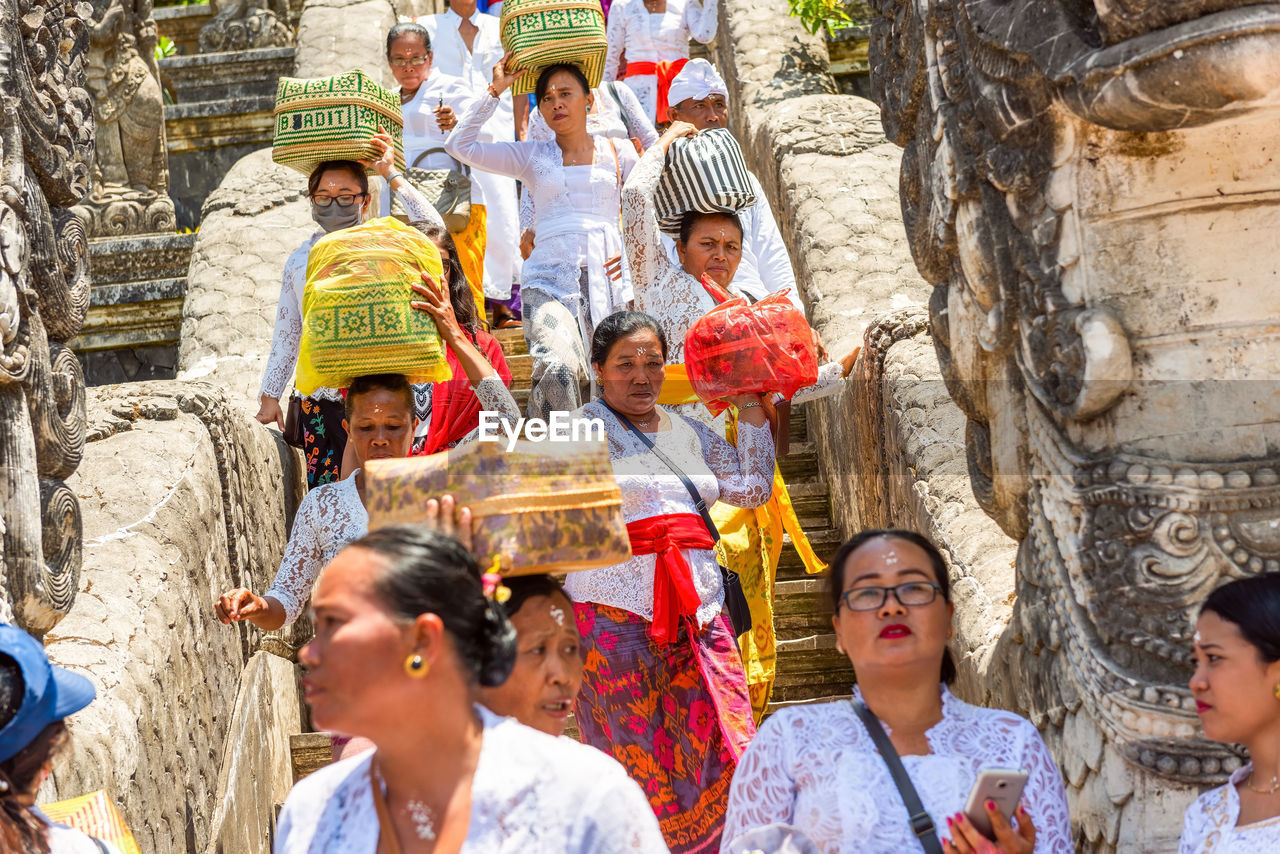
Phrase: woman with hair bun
pixel 1236 686
pixel 405 635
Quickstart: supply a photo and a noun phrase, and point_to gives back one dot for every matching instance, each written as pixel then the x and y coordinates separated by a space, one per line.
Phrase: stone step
pixel 521 368
pixel 811 667
pixel 801 607
pixel 801 463
pixel 512 341
pixel 812 501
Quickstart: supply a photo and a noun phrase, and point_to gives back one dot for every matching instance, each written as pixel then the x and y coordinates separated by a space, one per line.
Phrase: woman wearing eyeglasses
pixel 817 768
pixel 339 194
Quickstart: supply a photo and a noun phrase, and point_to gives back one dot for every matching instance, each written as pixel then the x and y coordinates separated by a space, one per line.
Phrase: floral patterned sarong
pixel 677 716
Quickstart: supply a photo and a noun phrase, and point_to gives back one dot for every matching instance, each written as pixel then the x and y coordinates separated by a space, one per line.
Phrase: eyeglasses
pixel 405 62
pixel 345 200
pixel 910 594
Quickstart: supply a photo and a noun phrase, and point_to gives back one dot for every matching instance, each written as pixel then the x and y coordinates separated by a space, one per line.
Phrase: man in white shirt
pixel 699 96
pixel 466 44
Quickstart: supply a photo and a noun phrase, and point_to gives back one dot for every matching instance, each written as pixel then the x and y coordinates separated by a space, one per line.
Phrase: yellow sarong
pixel 471 242
pixel 752 542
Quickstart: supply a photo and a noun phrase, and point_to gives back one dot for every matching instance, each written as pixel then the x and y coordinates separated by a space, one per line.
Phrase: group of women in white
pixel 414 653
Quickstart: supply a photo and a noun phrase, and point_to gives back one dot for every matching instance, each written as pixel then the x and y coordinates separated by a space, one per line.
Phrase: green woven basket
pixel 334 118
pixel 539 33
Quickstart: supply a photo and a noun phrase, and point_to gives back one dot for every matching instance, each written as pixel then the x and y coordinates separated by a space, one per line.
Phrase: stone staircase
pixel 810 668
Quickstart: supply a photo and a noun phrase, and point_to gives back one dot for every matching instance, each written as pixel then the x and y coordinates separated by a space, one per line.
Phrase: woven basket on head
pixel 334 118
pixel 538 33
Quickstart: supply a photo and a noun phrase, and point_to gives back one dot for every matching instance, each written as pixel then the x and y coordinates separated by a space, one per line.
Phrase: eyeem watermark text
pixel 562 427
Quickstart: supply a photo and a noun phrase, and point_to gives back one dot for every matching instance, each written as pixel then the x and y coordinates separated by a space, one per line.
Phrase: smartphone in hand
pixel 1002 785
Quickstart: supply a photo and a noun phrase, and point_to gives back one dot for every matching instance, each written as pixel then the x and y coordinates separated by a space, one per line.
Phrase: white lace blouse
pixel 816 768
pixel 286 337
pixel 531 793
pixel 1210 824
pixel 646 37
pixel 663 289
pixel 741 476
pixel 568 237
pixel 332 515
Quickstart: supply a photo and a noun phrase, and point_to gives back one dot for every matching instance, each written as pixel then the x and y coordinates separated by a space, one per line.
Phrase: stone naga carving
pixel 243 24
pixel 129 189
pixel 46 145
pixel 1093 189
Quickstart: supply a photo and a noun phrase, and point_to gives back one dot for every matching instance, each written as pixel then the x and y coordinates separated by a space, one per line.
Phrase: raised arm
pixel 744 473
pixel 415 204
pixel 701 17
pixel 643 241
pixel 637 119
pixel 504 158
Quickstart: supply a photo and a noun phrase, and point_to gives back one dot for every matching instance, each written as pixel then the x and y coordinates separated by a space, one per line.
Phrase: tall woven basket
pixel 539 33
pixel 334 118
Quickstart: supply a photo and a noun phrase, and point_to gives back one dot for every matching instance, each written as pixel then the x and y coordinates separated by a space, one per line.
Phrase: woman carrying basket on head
pixel 574 277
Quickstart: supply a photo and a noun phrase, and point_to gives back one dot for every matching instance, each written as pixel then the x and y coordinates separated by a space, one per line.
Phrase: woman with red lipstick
pixel 816 767
pixel 664 690
pixel 405 637
pixel 548 671
pixel 574 277
pixel 1237 689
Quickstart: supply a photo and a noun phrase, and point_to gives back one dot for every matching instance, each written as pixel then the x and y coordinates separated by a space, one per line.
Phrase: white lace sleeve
pixel 637 119
pixel 526 211
pixel 702 19
pixel 494 397
pixel 619 820
pixel 286 336
pixel 303 558
pixel 417 207
pixel 744 473
pixel 538 130
pixel 763 790
pixel 502 158
pixel 1046 797
pixel 616 35
pixel 645 255
pixel 830 381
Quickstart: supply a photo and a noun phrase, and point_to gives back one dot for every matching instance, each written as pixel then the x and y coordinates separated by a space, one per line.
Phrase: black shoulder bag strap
pixel 735 599
pixel 921 824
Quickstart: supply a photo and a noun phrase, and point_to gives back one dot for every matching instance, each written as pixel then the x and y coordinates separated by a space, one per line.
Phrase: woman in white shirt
pixel 574 277
pixel 815 767
pixel 1237 690
pixel 664 690
pixel 404 635
pixel 339 194
pixel 654 35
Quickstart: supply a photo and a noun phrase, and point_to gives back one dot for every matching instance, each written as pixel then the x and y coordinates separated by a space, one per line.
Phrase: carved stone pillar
pixel 46 133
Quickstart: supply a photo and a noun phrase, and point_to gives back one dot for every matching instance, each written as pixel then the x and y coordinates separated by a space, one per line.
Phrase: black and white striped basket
pixel 704 173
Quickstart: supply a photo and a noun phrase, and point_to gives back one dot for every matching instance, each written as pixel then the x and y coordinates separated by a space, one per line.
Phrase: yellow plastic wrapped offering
pixel 97 816
pixel 356 318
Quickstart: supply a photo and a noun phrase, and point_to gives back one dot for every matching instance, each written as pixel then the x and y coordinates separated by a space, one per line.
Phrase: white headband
pixel 697 80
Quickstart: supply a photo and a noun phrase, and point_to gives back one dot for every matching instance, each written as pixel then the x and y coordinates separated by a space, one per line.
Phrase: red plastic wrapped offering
pixel 742 348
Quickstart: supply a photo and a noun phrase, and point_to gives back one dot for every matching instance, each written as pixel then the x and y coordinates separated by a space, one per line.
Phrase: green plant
pixel 816 14
pixel 165 47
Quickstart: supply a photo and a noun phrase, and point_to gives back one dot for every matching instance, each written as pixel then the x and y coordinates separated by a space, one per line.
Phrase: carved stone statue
pixel 244 24
pixel 130 182
pixel 1093 190
pixel 46 145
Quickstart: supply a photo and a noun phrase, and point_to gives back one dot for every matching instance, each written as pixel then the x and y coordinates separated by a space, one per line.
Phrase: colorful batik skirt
pixel 323 440
pixel 677 716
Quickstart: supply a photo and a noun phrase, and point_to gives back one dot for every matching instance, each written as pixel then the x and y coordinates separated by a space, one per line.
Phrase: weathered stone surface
pixel 251 224
pixel 169 478
pixel 1085 194
pixel 245 25
pixel 46 147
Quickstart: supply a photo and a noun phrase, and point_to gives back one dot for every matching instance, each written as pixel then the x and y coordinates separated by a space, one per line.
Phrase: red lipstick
pixel 895 630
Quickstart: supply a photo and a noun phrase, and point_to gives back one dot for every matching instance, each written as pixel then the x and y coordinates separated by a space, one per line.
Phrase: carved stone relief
pixel 246 24
pixel 46 134
pixel 1087 187
pixel 129 187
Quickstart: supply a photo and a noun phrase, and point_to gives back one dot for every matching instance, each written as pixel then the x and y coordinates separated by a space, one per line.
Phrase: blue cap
pixel 49 692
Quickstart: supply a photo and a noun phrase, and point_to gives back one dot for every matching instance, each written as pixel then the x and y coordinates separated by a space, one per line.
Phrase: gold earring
pixel 415 667
pixel 1276 691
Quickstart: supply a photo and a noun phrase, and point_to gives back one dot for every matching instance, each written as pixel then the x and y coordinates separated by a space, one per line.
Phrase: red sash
pixel 666 72
pixel 674 595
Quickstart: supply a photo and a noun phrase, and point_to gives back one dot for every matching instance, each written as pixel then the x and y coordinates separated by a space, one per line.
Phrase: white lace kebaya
pixel 816 768
pixel 741 476
pixel 1210 825
pixel 332 515
pixel 607 119
pixel 532 794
